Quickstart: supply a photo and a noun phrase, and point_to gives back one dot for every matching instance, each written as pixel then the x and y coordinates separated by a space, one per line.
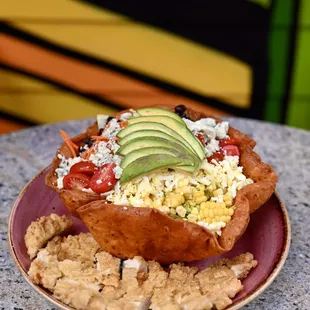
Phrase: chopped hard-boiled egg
pixel 205 198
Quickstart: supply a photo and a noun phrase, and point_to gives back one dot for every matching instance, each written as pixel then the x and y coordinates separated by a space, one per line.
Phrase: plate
pixel 267 238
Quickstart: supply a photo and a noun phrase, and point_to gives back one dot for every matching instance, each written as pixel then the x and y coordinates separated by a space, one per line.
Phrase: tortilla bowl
pixel 126 231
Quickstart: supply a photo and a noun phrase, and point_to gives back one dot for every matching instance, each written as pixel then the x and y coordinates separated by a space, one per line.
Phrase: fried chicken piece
pixel 129 294
pixel 73 293
pixel 240 265
pixel 82 248
pixel 44 270
pixel 96 303
pixel 219 299
pixel 157 277
pixel 193 301
pixel 107 263
pixel 139 264
pixel 81 273
pixel 110 268
pixel 133 302
pixel 180 282
pixel 219 284
pixel 45 228
pixel 220 277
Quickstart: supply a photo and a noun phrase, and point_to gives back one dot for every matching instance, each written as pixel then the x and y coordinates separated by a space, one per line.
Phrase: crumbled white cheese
pixel 134 113
pixel 200 125
pixel 107 193
pixel 99 182
pixel 113 129
pixel 211 147
pixel 103 154
pixel 221 130
pixel 125 116
pixel 102 120
pixel 60 184
pixel 215 228
pixel 87 190
pixel 64 168
pixel 211 132
pixel 118 172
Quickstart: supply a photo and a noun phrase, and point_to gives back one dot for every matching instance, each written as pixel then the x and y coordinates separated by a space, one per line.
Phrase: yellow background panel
pixel 50 108
pixel 14 81
pixel 158 54
pixel 41 103
pixel 54 9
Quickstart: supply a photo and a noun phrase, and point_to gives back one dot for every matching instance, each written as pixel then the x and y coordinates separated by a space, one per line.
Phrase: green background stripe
pixel 299 108
pixel 278 50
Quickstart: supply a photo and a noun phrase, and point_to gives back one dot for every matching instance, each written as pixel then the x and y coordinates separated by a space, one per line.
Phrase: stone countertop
pixel 24 153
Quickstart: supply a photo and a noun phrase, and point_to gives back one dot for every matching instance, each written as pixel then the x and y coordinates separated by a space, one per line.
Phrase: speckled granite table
pixel 23 154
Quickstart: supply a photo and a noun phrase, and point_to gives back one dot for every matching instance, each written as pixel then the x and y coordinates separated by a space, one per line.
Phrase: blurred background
pixel 65 59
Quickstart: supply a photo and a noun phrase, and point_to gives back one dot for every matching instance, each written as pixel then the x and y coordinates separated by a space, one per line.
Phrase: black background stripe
pixel 238 28
pixel 210 101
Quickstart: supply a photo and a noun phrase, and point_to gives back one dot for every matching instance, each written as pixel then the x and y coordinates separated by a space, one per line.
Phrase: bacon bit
pixel 87 153
pixel 123 124
pixel 72 146
pixel 106 127
pixel 100 138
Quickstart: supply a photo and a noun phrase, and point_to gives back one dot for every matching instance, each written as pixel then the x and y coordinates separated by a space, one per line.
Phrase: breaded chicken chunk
pixel 240 265
pixel 82 248
pixel 44 229
pixel 81 275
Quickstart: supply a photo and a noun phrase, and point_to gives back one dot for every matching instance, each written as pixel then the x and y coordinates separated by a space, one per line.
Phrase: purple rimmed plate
pixel 267 238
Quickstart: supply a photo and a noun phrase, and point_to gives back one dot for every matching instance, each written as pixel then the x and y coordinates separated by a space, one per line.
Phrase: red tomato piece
pixel 103 179
pixel 123 124
pixel 83 167
pixel 76 181
pixel 218 156
pixel 229 141
pixel 201 138
pixel 231 150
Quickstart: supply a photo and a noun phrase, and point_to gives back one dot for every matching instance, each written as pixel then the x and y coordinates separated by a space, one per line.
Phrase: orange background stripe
pixel 88 78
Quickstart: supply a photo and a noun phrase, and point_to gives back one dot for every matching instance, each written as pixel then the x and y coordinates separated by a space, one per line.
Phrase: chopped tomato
pixel 76 181
pixel 83 167
pixel 123 124
pixel 229 141
pixel 231 150
pixel 103 180
pixel 218 156
pixel 201 138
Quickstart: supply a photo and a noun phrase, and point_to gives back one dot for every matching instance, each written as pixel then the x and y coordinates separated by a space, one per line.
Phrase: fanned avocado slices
pixel 161 112
pixel 149 142
pixel 155 134
pixel 157 139
pixel 144 126
pixel 177 127
pixel 187 162
pixel 146 164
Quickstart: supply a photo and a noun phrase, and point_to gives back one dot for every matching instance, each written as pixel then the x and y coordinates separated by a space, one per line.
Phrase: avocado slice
pixel 146 142
pixel 177 127
pixel 143 126
pixel 154 133
pixel 146 164
pixel 162 112
pixel 130 157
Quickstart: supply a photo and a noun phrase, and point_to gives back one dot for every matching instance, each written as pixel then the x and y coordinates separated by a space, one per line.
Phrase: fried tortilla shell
pixel 126 231
pixel 71 198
